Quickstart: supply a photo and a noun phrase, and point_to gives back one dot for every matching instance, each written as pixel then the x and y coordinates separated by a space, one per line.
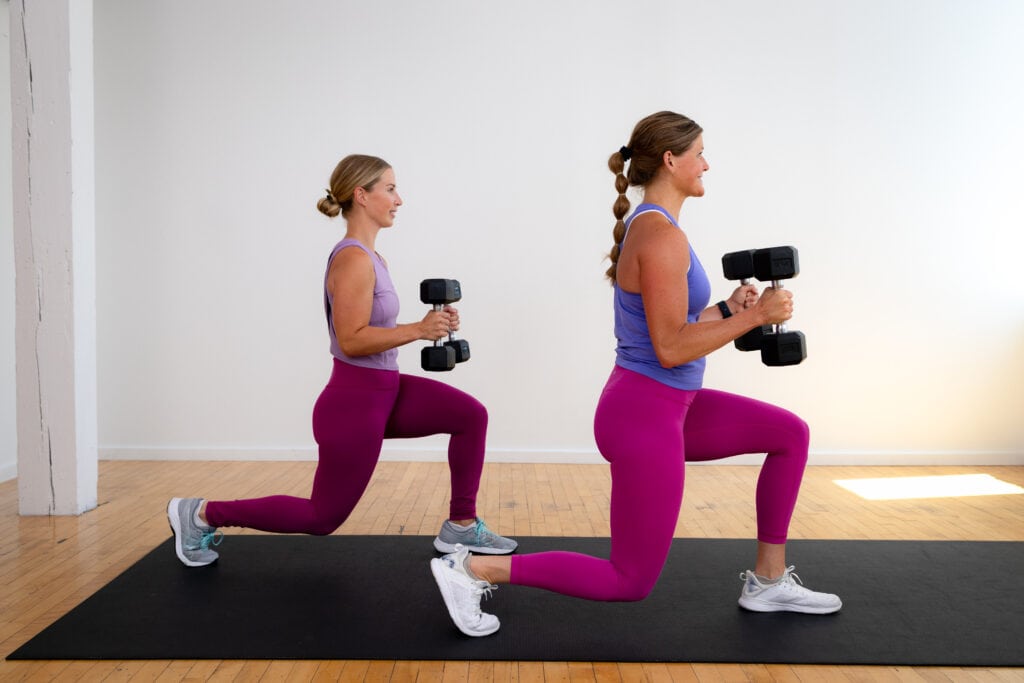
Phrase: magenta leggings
pixel 647 431
pixel 356 411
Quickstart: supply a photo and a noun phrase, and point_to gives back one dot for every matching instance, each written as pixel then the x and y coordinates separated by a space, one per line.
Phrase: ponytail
pixel 617 164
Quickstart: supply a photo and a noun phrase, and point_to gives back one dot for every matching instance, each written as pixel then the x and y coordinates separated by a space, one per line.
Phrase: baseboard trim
pixel 555 456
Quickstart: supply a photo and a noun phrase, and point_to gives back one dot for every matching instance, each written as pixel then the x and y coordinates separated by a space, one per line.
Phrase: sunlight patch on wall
pixel 944 486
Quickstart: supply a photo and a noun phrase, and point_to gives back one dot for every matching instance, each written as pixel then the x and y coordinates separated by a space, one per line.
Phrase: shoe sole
pixel 173 521
pixel 446 548
pixel 437 568
pixel 755 605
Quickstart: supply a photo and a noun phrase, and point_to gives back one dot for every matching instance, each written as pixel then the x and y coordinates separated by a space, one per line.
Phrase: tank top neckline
pixel 647 207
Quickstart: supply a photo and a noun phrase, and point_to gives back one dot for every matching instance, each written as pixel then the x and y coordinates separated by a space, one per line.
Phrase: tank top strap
pixel 642 209
pixel 350 242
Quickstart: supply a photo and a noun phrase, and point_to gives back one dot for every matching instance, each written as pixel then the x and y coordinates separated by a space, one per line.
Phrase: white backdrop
pixel 883 139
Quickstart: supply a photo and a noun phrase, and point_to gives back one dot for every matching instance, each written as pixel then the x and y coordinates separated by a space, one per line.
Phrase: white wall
pixel 883 139
pixel 8 429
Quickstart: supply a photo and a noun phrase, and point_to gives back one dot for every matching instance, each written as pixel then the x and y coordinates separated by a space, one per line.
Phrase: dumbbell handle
pixel 451 333
pixel 780 327
pixel 438 342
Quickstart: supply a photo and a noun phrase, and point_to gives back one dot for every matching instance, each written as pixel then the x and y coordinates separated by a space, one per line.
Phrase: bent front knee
pixel 324 527
pixel 802 430
pixel 634 590
pixel 795 434
pixel 476 413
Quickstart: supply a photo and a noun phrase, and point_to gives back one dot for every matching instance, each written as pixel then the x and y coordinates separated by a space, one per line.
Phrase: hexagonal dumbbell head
pixel 437 358
pixel 739 265
pixel 440 291
pixel 460 347
pixel 753 339
pixel 783 348
pixel 776 263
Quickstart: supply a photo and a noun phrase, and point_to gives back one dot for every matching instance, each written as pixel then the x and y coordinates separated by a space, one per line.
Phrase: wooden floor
pixel 50 564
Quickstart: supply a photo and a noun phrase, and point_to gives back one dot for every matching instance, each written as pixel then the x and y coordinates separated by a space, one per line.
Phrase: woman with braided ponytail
pixel 654 414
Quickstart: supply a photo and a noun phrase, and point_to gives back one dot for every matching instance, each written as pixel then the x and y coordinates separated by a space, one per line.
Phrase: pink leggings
pixel 356 411
pixel 647 431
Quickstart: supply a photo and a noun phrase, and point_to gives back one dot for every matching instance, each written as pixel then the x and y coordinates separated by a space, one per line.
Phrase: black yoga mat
pixel 373 597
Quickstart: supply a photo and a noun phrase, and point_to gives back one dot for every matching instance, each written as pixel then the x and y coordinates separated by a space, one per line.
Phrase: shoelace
pixel 214 537
pixel 794 584
pixel 485 589
pixel 792 575
pixel 484 535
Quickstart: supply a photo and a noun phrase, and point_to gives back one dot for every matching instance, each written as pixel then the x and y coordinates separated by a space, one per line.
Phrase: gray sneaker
pixel 191 541
pixel 785 595
pixel 462 594
pixel 476 538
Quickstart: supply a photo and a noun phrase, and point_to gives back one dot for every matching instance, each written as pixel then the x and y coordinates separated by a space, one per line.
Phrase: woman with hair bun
pixel 366 399
pixel 654 414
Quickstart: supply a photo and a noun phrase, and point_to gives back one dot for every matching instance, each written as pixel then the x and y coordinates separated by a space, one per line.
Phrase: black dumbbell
pixel 780 347
pixel 442 356
pixel 739 265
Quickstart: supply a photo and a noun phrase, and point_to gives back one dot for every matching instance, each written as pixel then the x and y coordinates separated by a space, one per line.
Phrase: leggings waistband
pixel 348 376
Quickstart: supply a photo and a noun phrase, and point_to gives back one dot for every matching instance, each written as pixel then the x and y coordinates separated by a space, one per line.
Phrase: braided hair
pixel 651 138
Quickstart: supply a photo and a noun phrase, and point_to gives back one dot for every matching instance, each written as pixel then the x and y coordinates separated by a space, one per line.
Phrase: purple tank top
pixel 383 314
pixel 634 350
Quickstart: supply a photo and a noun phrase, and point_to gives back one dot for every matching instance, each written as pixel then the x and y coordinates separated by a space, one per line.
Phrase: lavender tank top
pixel 634 350
pixel 383 314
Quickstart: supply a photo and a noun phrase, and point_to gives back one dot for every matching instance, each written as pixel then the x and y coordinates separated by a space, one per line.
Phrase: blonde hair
pixel 653 135
pixel 355 170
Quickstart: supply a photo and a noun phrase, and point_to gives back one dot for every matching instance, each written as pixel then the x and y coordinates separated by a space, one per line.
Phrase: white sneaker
pixel 785 595
pixel 462 593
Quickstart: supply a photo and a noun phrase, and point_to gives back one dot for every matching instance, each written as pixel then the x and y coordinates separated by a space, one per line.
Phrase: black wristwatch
pixel 724 308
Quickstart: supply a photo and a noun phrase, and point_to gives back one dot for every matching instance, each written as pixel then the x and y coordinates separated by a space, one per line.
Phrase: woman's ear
pixel 359 195
pixel 669 159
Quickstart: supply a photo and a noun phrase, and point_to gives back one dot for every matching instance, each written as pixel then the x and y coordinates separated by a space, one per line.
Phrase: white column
pixel 54 254
pixel 8 442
